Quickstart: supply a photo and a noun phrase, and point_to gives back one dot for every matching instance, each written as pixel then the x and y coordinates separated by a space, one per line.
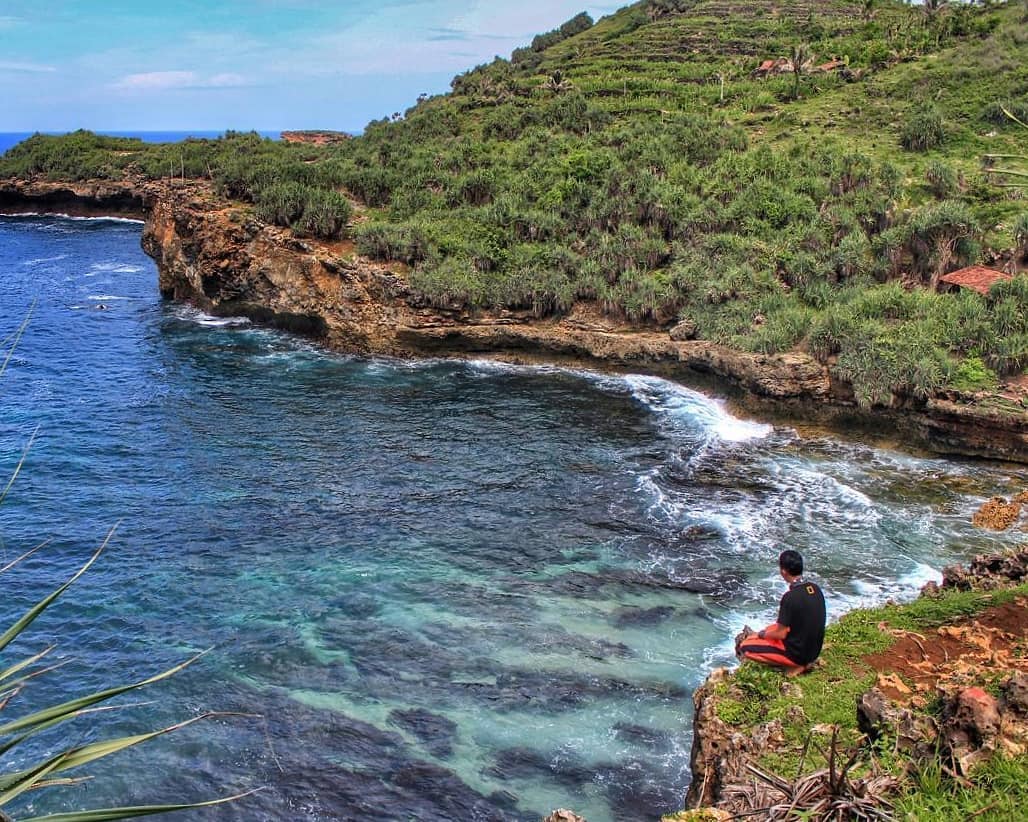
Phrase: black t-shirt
pixel 802 611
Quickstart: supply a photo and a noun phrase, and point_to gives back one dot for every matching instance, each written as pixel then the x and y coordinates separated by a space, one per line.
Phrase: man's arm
pixel 774 631
pixel 779 629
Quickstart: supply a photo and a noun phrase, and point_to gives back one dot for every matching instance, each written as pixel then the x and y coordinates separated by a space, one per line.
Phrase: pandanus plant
pixel 16 675
pixel 1013 177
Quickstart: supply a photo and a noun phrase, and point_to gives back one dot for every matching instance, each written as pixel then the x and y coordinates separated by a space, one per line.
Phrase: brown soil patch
pixel 994 642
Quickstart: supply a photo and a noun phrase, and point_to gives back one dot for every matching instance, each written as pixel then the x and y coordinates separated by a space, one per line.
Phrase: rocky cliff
pixel 91 198
pixel 215 255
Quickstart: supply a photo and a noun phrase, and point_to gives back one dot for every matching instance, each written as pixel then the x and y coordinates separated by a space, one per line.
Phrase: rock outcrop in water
pixel 216 255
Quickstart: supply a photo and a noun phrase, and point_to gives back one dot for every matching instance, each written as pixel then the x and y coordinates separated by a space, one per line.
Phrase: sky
pixel 121 65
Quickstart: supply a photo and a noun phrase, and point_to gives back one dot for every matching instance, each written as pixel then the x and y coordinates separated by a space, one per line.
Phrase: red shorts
pixel 766 651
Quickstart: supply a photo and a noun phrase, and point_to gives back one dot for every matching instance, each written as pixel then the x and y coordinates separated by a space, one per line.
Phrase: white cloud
pixel 226 80
pixel 394 40
pixel 167 80
pixel 28 68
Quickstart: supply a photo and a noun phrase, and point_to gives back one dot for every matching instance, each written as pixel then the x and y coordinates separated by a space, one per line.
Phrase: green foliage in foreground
pixel 53 770
pixel 637 163
pixel 997 792
pixel 828 696
pixel 59 768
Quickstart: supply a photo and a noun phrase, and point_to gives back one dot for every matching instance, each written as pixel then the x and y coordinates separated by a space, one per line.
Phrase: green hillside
pixel 641 163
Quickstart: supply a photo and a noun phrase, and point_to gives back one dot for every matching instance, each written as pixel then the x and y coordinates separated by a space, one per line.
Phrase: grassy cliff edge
pixel 915 711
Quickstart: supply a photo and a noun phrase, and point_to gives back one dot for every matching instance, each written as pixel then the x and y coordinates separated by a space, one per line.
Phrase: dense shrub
pixel 576 25
pixel 390 241
pixel 923 129
pixel 941 179
pixel 891 366
pixel 309 211
pixel 973 375
pixel 943 236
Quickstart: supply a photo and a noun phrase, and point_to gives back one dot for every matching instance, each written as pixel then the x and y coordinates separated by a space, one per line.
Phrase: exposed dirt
pixel 995 642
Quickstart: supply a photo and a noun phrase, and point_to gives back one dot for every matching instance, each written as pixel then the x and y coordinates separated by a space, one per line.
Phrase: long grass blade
pixel 25 663
pixel 14 743
pixel 26 780
pixel 26 555
pixel 21 462
pixel 67 709
pixel 16 337
pixel 11 633
pixel 107 814
pixel 14 784
pixel 1010 172
pixel 1010 114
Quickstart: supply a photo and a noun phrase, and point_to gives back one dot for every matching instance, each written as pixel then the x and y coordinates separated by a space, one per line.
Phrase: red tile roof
pixel 832 65
pixel 976 277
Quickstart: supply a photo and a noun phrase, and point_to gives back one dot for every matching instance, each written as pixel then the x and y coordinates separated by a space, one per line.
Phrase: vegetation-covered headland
pixel 727 187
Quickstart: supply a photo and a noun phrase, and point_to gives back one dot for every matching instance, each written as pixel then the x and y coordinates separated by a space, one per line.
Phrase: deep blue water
pixel 438 590
pixel 12 138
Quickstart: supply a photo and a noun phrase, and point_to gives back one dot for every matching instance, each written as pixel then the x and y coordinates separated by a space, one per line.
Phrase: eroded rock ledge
pixel 215 255
pixel 92 198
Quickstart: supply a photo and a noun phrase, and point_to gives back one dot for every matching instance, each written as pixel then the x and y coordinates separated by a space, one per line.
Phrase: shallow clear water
pixel 439 590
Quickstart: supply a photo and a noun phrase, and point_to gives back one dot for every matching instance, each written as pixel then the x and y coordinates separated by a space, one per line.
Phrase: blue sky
pixel 242 64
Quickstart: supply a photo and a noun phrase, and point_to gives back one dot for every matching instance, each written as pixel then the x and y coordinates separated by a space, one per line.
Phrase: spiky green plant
pixel 1015 176
pixel 18 674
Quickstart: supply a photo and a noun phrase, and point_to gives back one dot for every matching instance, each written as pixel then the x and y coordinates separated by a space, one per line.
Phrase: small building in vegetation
pixel 975 277
pixel 769 68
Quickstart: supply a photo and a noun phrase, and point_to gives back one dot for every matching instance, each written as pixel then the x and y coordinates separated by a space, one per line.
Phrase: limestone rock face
pixel 989 571
pixel 720 752
pixel 915 734
pixel 685 330
pixel 974 724
pixel 997 514
pixel 91 198
pixel 1016 692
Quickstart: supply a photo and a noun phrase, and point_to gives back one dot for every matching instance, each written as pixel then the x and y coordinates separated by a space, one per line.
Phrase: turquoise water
pixel 436 590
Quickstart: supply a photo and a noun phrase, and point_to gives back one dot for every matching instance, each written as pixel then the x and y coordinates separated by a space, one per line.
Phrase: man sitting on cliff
pixel 793 642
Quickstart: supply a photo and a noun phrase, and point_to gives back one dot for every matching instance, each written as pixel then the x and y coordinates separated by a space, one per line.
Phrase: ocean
pixel 432 589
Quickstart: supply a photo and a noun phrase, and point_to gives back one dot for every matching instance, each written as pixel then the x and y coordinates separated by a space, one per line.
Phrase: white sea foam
pixel 679 404
pixel 670 401
pixel 879 590
pixel 116 268
pixel 106 297
pixel 62 216
pixel 190 314
pixel 40 260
